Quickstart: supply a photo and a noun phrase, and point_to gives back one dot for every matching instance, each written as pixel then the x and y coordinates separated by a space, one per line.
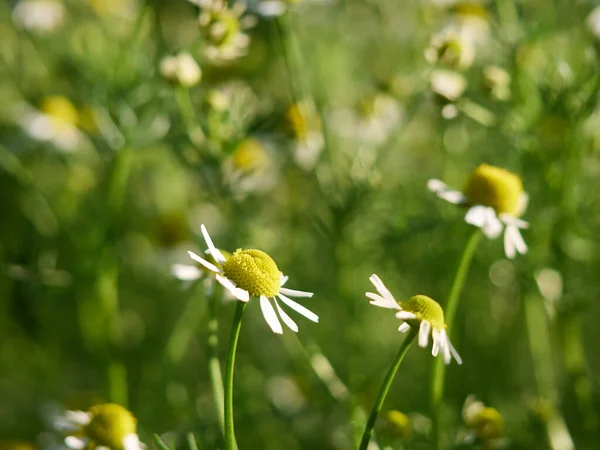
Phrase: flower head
pixel 421 311
pixel 106 425
pixel 495 200
pixel 251 272
pixel 485 422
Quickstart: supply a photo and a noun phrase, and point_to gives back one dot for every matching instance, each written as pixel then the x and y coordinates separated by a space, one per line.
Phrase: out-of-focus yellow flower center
pixel 249 155
pixel 488 424
pixel 494 187
pixel 467 10
pixel 253 271
pixel 302 119
pixel 109 425
pixel 425 308
pixel 398 423
pixel 60 109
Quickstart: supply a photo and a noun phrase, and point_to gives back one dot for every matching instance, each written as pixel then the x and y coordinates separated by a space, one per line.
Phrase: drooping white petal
pixel 404 327
pixel 185 272
pixel 214 251
pixel 294 293
pixel 476 216
pixel 493 226
pixel 424 331
pixel 512 220
pixel 132 442
pixel 378 300
pixel 435 185
pixel 436 342
pixel 455 354
pixel 269 315
pixel 442 191
pixel 286 319
pixel 237 292
pixel 299 308
pixel 513 242
pixel 283 279
pixel 405 315
pixel 210 266
pixel 75 443
pixel 445 347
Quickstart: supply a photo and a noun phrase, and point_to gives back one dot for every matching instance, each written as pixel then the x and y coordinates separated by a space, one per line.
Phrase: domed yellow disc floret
pixel 425 308
pixel 488 424
pixel 109 425
pixel 253 271
pixel 494 187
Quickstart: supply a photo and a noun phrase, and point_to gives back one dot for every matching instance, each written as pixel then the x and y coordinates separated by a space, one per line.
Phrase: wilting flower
pixel 181 69
pixel 486 424
pixel 106 425
pixel 223 28
pixel 253 273
pixel 495 200
pixel 418 311
pixel 42 16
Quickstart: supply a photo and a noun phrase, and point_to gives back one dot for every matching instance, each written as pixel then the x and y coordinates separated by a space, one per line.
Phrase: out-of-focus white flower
pixel 247 168
pixel 497 80
pixel 181 69
pixel 496 200
pixel 448 84
pixel 43 16
pixel 593 21
pixel 451 47
pixel 223 29
pixel 56 122
pixel 305 126
pixel 108 426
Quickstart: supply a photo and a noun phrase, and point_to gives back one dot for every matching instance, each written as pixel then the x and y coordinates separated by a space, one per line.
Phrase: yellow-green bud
pixel 109 425
pixel 253 271
pixel 495 187
pixel 425 308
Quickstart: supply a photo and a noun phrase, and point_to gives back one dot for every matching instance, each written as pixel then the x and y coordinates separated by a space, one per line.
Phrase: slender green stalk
pixel 439 369
pixel 385 387
pixel 214 366
pixel 228 403
pixel 186 109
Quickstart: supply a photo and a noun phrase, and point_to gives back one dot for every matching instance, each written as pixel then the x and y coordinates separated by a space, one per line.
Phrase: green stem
pixel 186 109
pixel 228 403
pixel 214 366
pixel 385 387
pixel 439 369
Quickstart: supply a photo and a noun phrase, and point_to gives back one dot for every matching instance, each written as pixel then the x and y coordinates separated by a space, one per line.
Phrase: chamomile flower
pixel 253 273
pixel 420 311
pixel 106 425
pixel 495 200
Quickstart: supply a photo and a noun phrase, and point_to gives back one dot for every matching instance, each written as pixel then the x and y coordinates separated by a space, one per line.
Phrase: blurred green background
pixel 311 135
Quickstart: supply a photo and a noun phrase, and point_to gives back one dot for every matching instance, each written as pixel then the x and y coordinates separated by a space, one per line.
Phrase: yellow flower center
pixel 398 423
pixel 60 109
pixel 249 155
pixel 110 424
pixel 494 187
pixel 425 308
pixel 253 271
pixel 488 424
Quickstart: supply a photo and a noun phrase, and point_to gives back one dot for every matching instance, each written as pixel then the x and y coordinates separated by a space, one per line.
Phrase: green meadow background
pixel 90 310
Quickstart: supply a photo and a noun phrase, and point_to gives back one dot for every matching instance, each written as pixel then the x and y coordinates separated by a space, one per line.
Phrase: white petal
pixel 405 315
pixel 205 263
pixel 511 220
pixel 513 242
pixel 444 347
pixel 378 300
pixel 269 315
pixel 271 8
pixel 435 185
pixel 476 216
pixel 75 442
pixel 385 293
pixel 299 308
pixel 283 279
pixel 492 227
pixel 404 327
pixel 424 331
pixel 286 319
pixel 185 272
pixel 294 293
pixel 237 292
pixel 131 442
pixel 436 342
pixel 455 354
pixel 214 251
pixel 454 197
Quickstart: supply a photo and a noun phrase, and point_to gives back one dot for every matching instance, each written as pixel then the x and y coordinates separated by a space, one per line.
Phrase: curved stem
pixel 228 404
pixel 385 387
pixel 439 369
